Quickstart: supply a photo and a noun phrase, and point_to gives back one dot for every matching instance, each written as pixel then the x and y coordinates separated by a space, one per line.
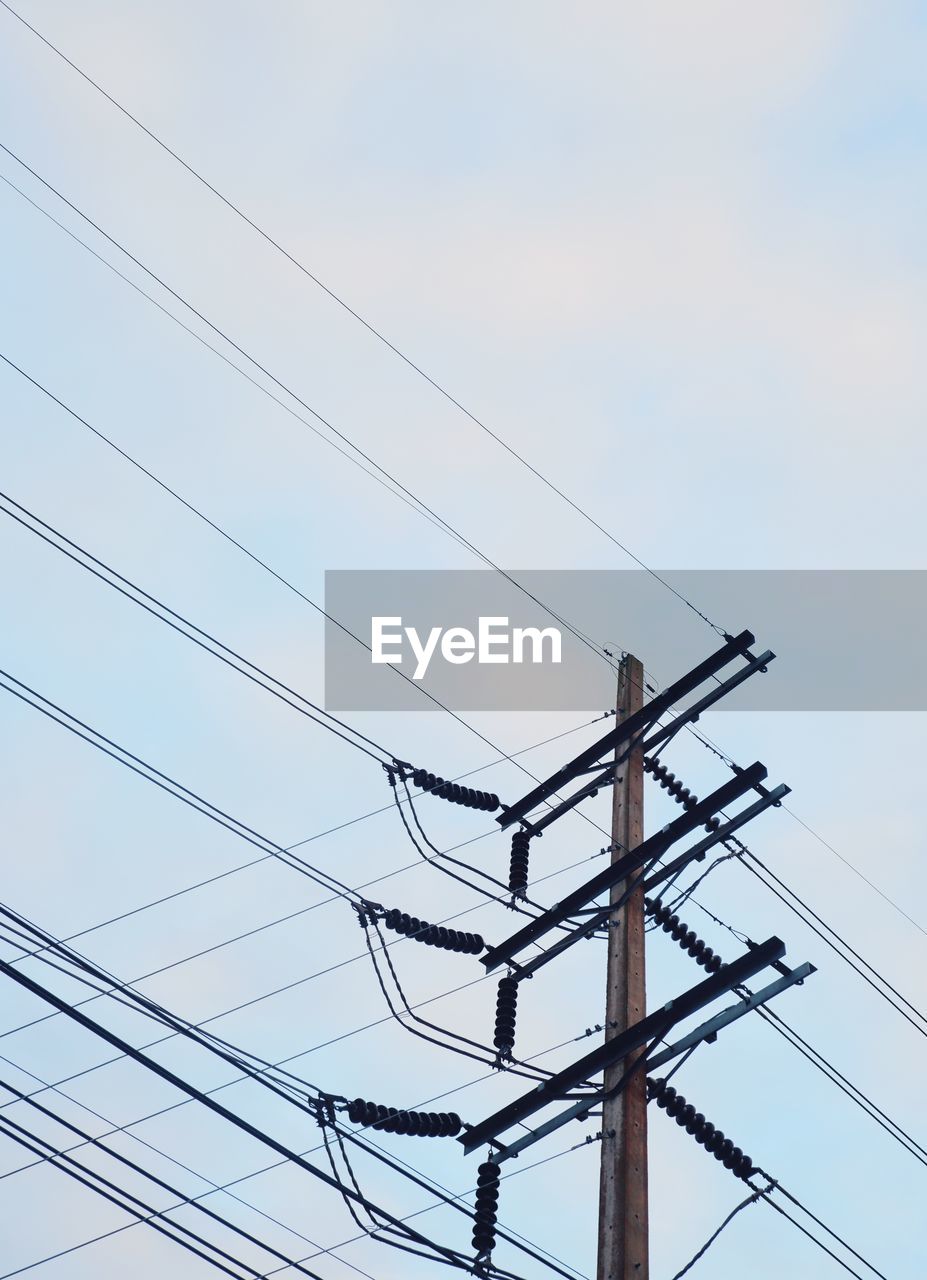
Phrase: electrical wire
pixel 183 626
pixel 419 505
pixel 100 1145
pixel 162 780
pixel 286 987
pixel 191 1200
pixel 744 1204
pixel 441 1253
pixel 381 337
pixel 319 835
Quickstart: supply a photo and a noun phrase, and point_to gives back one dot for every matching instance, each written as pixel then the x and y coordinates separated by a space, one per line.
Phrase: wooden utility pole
pixel 623 1228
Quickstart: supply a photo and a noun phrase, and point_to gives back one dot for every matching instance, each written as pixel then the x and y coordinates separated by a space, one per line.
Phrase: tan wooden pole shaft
pixel 623 1226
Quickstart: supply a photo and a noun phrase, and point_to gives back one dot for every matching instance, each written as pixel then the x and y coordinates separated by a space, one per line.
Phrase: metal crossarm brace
pixel 652 848
pixel 640 721
pixel 706 1031
pixel 618 1048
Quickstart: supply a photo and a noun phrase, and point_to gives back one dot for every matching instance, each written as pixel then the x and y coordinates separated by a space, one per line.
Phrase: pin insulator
pixel 418 1124
pixel 469 797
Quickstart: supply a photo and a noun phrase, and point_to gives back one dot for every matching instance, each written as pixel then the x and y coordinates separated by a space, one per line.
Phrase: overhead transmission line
pixel 224 1187
pixel 225 1052
pixel 508 757
pixel 889 900
pixel 152 605
pixel 393 1011
pixel 337 298
pixel 319 835
pixel 38 952
pixel 418 503
pixel 193 1201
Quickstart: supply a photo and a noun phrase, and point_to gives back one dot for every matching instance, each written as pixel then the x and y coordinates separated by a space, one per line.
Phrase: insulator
pixel 704 1132
pixel 506 1003
pixel 485 1207
pixel 687 938
pixel 696 1123
pixel 434 935
pixel 425 1124
pixel 469 797
pixel 518 865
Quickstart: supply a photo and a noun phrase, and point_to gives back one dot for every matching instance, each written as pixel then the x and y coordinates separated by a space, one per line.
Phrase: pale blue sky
pixel 675 257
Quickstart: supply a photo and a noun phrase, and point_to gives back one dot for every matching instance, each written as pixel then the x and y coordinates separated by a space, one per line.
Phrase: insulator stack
pixel 467 796
pixel 702 1130
pixel 518 866
pixel 682 795
pixel 419 1124
pixel 689 941
pixel 506 1002
pixel 485 1208
pixel 434 935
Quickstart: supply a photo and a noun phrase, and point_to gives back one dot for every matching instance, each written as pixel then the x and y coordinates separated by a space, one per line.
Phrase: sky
pixel 672 255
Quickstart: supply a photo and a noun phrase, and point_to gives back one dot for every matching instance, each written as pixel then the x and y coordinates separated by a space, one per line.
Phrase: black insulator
pixel 687 938
pixel 433 935
pixel 485 1207
pixel 469 797
pixel 518 865
pixel 695 1124
pixel 426 1124
pixel 704 1132
pixel 506 1003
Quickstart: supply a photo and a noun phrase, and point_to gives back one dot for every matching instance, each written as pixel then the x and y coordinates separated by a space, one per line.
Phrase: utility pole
pixel 623 1229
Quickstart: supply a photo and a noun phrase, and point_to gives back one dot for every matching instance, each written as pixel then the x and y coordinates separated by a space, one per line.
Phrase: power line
pixel 279 577
pixel 335 297
pixel 744 1204
pixel 277 991
pixel 183 626
pixel 187 796
pixel 193 1201
pixel 62 1159
pixel 419 504
pixel 319 835
pixel 441 1253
